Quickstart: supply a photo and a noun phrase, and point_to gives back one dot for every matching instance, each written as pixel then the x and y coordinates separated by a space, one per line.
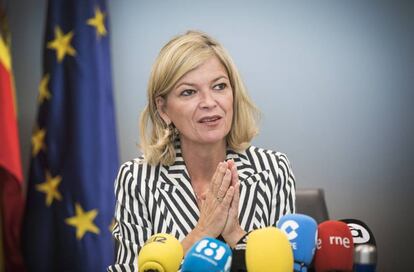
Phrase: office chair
pixel 311 201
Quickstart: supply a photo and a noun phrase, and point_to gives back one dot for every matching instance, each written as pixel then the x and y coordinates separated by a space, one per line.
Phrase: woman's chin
pixel 206 140
pixel 212 136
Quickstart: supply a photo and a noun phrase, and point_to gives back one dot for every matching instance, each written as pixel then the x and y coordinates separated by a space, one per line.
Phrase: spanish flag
pixel 11 177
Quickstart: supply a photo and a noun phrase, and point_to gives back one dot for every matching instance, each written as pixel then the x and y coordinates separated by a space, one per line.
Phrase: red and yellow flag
pixel 11 177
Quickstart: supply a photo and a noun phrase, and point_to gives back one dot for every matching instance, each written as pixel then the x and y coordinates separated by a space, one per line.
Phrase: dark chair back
pixel 312 202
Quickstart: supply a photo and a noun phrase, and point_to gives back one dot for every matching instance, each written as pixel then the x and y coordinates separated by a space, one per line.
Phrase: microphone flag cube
pixel 302 231
pixel 208 255
pixel 335 247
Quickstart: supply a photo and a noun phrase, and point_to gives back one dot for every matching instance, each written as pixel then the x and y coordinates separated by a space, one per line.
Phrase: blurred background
pixel 333 79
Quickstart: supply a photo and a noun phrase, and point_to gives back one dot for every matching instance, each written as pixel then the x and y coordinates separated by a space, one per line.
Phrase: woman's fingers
pixel 225 175
pixel 222 201
pixel 218 178
pixel 234 207
pixel 214 212
pixel 228 197
pixel 236 183
pixel 215 175
pixel 224 186
pixel 234 175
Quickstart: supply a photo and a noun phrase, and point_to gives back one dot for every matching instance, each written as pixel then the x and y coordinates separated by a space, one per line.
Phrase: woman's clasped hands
pixel 219 207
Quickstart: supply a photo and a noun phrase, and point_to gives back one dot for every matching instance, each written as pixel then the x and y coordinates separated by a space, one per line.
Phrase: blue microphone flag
pixel 301 231
pixel 208 255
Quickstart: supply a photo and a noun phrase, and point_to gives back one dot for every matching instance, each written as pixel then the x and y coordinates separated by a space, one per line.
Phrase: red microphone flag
pixel 335 247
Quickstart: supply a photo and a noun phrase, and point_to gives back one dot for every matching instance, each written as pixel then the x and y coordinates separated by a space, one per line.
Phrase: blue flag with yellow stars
pixel 74 156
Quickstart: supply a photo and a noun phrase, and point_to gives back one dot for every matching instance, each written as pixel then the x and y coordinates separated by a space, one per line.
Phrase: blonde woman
pixel 198 176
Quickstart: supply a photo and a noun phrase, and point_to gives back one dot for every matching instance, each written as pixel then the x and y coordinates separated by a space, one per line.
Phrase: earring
pixel 174 132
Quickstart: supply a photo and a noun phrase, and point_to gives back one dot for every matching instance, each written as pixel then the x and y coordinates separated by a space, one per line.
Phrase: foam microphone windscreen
pixel 160 253
pixel 301 230
pixel 208 255
pixel 360 232
pixel 334 247
pixel 268 249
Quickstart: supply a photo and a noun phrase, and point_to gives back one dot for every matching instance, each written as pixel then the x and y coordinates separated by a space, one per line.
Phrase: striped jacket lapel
pixel 177 196
pixel 252 213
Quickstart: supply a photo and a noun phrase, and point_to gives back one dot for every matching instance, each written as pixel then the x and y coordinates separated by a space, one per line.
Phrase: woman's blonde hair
pixel 180 55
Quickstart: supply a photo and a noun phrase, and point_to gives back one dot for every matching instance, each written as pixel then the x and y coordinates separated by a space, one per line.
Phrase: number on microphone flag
pixel 74 156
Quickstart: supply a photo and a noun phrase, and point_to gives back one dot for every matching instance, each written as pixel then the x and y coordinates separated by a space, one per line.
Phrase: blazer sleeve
pixel 284 193
pixel 132 223
pixel 288 183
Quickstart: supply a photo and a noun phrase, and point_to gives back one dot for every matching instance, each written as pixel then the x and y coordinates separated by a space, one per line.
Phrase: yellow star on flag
pixel 38 139
pixel 50 188
pixel 5 58
pixel 61 44
pixel 44 93
pixel 112 225
pixel 98 22
pixel 83 221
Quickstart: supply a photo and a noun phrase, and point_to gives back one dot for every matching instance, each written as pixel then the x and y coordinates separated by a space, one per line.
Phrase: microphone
pixel 302 231
pixel 161 253
pixel 268 249
pixel 238 263
pixel 208 255
pixel 365 258
pixel 335 247
pixel 360 232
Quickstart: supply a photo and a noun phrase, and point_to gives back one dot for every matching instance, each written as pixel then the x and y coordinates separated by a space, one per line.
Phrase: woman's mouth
pixel 209 119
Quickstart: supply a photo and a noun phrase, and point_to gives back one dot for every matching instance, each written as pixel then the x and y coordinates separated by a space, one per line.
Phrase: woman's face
pixel 200 104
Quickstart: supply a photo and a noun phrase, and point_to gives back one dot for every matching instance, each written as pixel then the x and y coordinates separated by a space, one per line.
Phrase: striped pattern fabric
pixel 160 199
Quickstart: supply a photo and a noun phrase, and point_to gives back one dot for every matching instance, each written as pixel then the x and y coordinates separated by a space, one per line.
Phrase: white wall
pixel 333 80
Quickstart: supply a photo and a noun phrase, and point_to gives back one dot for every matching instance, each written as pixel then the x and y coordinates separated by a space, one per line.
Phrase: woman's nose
pixel 207 100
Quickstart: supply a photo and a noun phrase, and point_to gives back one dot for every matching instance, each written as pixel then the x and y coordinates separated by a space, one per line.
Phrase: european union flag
pixel 74 157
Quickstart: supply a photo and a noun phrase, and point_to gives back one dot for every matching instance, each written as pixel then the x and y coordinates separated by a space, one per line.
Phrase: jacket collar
pixel 178 170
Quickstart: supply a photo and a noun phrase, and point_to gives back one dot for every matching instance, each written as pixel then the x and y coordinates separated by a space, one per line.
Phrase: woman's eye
pixel 187 92
pixel 220 86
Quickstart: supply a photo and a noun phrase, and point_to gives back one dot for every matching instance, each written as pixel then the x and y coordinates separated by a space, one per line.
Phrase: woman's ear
pixel 161 104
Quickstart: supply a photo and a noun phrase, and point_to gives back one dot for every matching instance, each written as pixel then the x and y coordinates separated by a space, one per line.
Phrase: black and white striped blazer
pixel 160 199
